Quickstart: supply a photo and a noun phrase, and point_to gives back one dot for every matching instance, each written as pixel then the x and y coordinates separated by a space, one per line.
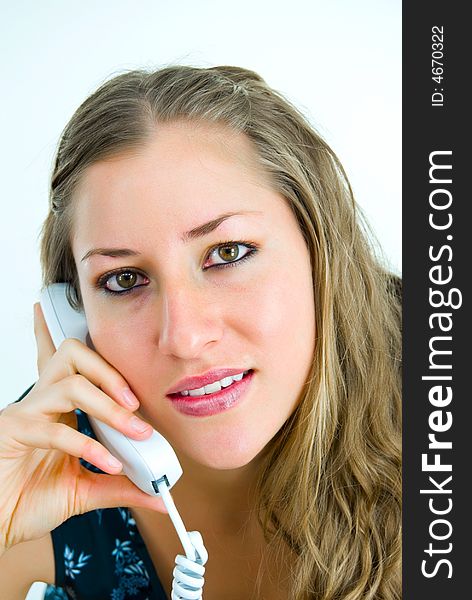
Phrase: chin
pixel 224 455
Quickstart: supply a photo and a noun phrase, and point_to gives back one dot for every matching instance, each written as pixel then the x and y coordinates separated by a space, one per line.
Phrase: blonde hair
pixel 331 483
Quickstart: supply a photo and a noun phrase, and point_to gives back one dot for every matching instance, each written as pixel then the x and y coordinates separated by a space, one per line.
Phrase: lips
pixel 217 402
pixel 198 381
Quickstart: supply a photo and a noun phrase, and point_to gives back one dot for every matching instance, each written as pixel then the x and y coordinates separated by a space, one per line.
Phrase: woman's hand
pixel 42 482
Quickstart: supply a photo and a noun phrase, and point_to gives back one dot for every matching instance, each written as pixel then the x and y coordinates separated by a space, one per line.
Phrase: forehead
pixel 181 148
pixel 181 170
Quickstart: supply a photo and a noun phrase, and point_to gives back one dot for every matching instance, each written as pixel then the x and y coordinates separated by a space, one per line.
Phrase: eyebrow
pixel 195 233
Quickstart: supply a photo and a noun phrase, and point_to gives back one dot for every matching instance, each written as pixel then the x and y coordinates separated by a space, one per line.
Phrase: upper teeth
pixel 214 387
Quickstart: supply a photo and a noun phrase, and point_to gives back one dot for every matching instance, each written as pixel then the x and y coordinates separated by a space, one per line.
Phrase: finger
pixel 57 436
pixel 95 491
pixel 75 357
pixel 45 345
pixel 110 491
pixel 76 391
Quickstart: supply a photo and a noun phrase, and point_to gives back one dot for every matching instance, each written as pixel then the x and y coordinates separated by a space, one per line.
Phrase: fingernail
pixel 130 398
pixel 139 425
pixel 115 463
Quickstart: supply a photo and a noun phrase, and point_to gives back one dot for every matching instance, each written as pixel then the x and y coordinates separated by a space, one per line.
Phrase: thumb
pixel 111 491
pixel 44 341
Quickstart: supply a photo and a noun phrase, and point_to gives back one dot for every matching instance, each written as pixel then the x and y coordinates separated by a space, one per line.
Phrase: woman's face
pixel 184 313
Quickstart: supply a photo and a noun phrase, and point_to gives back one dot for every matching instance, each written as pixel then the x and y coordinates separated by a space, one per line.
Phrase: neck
pixel 224 498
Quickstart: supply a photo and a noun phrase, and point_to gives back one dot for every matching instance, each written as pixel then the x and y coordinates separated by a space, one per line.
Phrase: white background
pixel 337 61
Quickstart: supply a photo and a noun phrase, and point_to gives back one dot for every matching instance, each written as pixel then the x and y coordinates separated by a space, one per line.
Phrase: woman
pixel 207 230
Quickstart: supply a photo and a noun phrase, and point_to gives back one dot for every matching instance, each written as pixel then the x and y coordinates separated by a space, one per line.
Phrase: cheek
pixel 283 316
pixel 125 346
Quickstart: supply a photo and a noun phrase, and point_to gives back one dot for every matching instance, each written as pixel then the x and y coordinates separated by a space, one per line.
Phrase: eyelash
pixel 102 280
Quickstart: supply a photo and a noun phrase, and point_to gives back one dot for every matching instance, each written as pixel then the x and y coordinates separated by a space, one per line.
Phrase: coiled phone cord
pixel 188 572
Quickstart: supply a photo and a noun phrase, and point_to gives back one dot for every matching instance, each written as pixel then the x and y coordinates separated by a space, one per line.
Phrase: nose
pixel 190 322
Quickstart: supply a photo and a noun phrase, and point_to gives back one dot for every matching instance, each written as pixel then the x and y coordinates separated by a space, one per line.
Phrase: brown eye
pixel 123 281
pixel 229 253
pixel 126 280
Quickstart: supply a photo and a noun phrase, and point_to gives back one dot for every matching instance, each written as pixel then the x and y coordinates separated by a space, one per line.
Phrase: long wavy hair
pixel 330 486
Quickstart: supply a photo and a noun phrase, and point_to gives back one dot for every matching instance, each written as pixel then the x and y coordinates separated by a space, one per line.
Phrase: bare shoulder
pixel 26 563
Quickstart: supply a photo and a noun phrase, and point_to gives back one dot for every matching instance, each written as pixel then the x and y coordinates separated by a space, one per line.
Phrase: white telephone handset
pixel 150 464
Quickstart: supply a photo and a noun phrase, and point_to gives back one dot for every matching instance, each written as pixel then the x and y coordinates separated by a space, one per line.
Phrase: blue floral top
pixel 100 555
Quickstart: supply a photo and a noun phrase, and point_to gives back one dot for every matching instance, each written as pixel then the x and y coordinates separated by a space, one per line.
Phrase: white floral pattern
pixel 72 567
